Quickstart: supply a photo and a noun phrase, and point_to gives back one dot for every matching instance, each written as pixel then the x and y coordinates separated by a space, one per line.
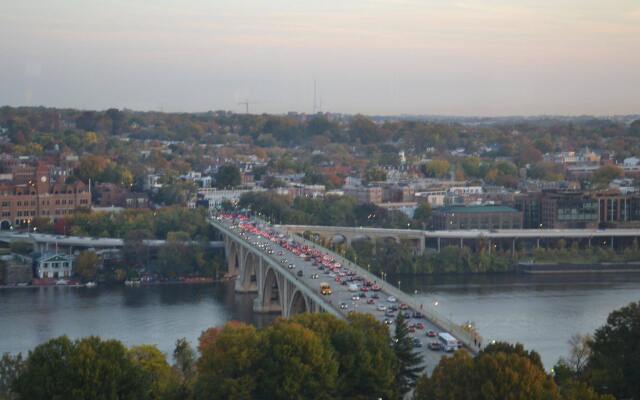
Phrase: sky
pixel 431 57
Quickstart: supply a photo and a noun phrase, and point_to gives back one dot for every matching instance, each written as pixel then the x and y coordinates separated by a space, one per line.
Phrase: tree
pixel 10 368
pixel 375 174
pixel 295 364
pixel 436 168
pixel 366 362
pixel 422 215
pixel 614 364
pixel 86 265
pixel 153 364
pixel 228 176
pixel 91 167
pixel 88 368
pixel 409 361
pixel 634 128
pixel 228 366
pixel 185 358
pixel 21 247
pixel 605 174
pixel 493 375
pixel 518 348
pixel 579 353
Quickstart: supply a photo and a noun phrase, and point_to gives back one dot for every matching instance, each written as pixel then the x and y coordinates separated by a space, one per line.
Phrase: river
pixel 542 312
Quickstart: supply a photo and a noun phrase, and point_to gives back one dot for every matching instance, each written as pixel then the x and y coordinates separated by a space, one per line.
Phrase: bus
pixel 449 343
pixel 325 289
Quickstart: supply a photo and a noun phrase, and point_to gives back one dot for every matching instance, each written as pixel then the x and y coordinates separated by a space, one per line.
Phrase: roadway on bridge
pixel 341 293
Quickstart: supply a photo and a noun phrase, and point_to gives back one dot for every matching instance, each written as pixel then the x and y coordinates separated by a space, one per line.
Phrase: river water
pixel 542 312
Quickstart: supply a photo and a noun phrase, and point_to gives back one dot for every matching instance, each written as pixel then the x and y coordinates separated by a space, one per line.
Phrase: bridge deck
pixel 341 293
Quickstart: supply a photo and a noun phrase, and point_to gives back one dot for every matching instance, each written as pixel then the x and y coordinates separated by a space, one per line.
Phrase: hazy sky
pixel 489 57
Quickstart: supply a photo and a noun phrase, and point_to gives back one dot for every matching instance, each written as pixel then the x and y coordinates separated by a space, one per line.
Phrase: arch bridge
pixel 278 289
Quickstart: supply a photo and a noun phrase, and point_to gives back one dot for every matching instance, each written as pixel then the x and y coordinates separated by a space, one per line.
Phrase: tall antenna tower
pixel 315 96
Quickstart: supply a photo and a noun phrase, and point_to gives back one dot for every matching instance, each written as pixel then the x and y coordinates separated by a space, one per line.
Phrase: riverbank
pixel 572 268
pixel 185 281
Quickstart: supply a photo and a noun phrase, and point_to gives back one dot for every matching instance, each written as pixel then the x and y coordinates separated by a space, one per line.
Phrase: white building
pixel 55 265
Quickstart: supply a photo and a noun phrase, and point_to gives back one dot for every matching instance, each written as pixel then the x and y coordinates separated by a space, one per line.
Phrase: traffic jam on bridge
pixel 341 286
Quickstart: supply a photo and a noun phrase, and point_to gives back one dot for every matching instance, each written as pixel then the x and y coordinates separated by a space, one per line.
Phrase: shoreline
pixel 122 284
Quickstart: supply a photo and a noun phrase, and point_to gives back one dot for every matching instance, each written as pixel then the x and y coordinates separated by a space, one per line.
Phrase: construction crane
pixel 246 104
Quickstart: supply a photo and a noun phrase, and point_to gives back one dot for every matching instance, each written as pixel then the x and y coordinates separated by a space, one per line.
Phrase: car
pixel 417 342
pixel 419 325
pixel 431 334
pixel 389 313
pixel 314 276
pixel 418 314
pixel 355 297
pixel 406 314
pixel 435 346
pixel 403 306
pixel 363 294
pixel 371 301
pixel 299 273
pixel 343 306
pixel 375 296
pixel 292 266
pixel 412 329
pixel 388 321
pixel 381 307
pixel 391 299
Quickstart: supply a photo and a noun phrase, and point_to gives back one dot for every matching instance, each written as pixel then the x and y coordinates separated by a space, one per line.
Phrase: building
pixel 476 217
pixel 618 210
pixel 529 205
pixel 371 194
pixel 54 265
pixel 20 203
pixel 558 210
pixel 397 194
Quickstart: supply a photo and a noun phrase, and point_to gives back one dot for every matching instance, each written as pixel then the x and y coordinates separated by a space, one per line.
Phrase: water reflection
pixel 540 311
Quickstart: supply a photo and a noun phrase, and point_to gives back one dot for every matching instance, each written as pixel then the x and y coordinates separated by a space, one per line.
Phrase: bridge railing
pixel 466 334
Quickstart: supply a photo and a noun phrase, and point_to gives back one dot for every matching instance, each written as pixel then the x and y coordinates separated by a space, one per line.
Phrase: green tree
pixel 163 380
pixel 184 358
pixel 228 365
pixel 375 174
pixel 422 215
pixel 436 168
pixel 366 362
pixel 88 368
pixel 228 176
pixel 295 364
pixel 10 368
pixel 409 361
pixel 86 265
pixel 614 364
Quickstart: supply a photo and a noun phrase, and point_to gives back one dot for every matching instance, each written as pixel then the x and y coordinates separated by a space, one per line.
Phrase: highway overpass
pixel 505 238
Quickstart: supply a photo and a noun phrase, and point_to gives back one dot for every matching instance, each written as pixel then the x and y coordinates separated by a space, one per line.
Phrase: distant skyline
pixel 384 57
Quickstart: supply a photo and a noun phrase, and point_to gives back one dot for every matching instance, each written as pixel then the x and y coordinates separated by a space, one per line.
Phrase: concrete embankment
pixel 565 268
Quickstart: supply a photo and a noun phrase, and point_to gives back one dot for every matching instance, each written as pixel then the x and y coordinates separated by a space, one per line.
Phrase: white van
pixel 353 287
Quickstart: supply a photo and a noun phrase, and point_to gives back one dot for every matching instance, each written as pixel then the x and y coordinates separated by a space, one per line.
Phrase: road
pixel 340 293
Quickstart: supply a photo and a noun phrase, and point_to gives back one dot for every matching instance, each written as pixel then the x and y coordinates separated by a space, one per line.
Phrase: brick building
pixel 372 194
pixel 29 198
